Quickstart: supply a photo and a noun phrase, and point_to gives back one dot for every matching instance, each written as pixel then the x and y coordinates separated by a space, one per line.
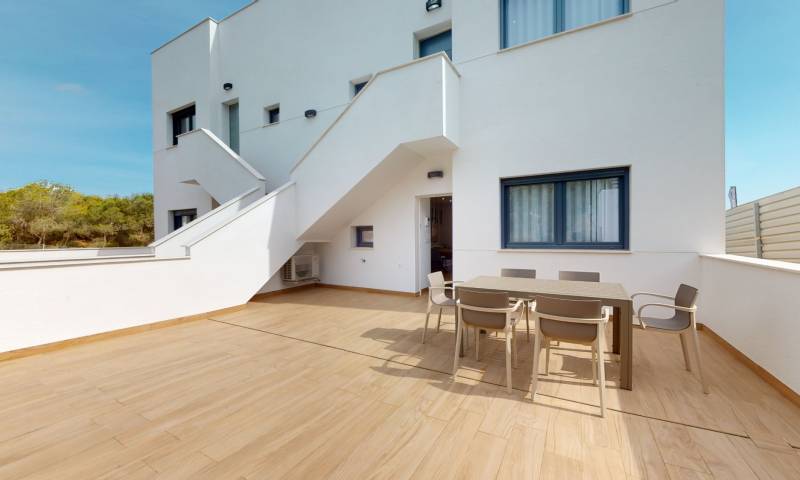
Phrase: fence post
pixel 757 224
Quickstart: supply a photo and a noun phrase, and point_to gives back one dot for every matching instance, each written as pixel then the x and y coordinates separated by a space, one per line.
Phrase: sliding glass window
pixel 527 20
pixel 573 210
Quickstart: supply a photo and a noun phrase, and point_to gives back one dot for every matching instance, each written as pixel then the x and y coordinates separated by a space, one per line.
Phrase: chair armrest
pixel 442 288
pixel 649 294
pixel 491 310
pixel 517 306
pixel 665 305
pixel 452 282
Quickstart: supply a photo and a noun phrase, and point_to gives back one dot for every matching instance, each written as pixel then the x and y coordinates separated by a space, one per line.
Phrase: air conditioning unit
pixel 300 268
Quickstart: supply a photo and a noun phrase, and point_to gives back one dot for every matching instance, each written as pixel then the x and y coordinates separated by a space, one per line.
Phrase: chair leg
pixel 528 321
pixel 477 344
pixel 514 344
pixel 685 349
pixel 696 342
pixel 457 350
pixel 439 322
pixel 508 360
pixel 546 356
pixel 427 316
pixel 594 364
pixel 601 367
pixel 537 346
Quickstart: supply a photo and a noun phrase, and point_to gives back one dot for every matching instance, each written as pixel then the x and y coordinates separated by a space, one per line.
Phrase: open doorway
pixel 441 222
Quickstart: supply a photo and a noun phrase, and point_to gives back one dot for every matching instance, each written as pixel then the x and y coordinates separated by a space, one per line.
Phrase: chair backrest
pixel 579 276
pixel 436 279
pixel 473 298
pixel 563 329
pixel 686 296
pixel 518 273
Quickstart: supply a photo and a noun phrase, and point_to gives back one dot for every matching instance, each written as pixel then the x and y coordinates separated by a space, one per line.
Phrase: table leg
pixel 615 321
pixel 626 346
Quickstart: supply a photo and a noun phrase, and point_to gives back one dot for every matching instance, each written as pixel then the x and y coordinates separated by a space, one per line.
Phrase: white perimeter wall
pixel 754 305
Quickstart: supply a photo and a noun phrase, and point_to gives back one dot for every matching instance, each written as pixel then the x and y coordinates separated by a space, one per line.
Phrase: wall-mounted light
pixel 311 113
pixel 436 174
pixel 431 5
pixel 227 86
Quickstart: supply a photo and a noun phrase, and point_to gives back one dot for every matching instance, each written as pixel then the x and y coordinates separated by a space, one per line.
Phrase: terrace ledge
pixel 756 262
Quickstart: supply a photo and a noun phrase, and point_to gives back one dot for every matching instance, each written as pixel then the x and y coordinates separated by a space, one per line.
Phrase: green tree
pixel 51 214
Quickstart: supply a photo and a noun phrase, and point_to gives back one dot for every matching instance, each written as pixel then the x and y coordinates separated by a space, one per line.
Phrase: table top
pixel 521 287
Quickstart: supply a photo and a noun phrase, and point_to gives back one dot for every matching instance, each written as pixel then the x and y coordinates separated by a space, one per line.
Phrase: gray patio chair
pixel 575 321
pixel 522 273
pixel 682 323
pixel 488 311
pixel 438 298
pixel 579 276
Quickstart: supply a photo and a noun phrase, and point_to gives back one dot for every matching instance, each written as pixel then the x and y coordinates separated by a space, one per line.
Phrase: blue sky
pixel 75 76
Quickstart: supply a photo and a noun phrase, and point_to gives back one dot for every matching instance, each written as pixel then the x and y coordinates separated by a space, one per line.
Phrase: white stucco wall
pixel 299 54
pixel 392 263
pixel 591 99
pixel 644 91
pixel 754 305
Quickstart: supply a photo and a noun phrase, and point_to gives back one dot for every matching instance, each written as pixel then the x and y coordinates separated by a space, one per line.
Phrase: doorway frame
pixel 422 271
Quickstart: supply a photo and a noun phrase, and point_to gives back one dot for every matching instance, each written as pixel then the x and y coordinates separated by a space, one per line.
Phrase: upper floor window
pixel 572 210
pixel 273 114
pixel 182 122
pixel 442 42
pixel 526 20
pixel 358 86
pixel 182 217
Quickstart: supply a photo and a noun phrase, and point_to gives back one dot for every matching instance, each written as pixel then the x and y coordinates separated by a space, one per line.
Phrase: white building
pixel 552 135
pixel 620 101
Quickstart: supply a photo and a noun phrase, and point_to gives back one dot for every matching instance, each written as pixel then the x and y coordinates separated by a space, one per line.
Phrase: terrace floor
pixel 326 383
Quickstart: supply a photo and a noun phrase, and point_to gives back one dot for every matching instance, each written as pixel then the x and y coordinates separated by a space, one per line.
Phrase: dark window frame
pixel 559 181
pixel 433 38
pixel 360 236
pixel 188 112
pixel 274 114
pixel 192 212
pixel 357 87
pixel 559 21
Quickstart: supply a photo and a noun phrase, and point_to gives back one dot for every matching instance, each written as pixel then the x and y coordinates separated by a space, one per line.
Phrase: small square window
pixel 182 122
pixel 364 236
pixel 182 217
pixel 273 114
pixel 357 87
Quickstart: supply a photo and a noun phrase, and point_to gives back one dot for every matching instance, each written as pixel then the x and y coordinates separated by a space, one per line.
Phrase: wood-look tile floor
pixel 326 383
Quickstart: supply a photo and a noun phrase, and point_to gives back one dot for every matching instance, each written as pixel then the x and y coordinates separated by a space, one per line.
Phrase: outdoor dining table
pixel 611 294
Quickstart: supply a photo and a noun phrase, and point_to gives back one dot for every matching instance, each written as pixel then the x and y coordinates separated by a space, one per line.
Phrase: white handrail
pixel 244 211
pixel 440 55
pixel 250 169
pixel 203 218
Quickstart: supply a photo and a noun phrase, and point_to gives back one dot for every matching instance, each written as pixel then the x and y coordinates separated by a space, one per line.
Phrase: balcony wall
pixel 754 305
pixel 402 116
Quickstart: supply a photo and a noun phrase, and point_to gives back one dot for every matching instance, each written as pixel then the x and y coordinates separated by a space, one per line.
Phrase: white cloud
pixel 75 88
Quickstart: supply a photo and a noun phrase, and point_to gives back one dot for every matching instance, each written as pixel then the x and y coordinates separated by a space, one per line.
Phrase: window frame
pixel 559 21
pixel 190 111
pixel 357 87
pixel 420 41
pixel 360 242
pixel 190 212
pixel 268 112
pixel 559 181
